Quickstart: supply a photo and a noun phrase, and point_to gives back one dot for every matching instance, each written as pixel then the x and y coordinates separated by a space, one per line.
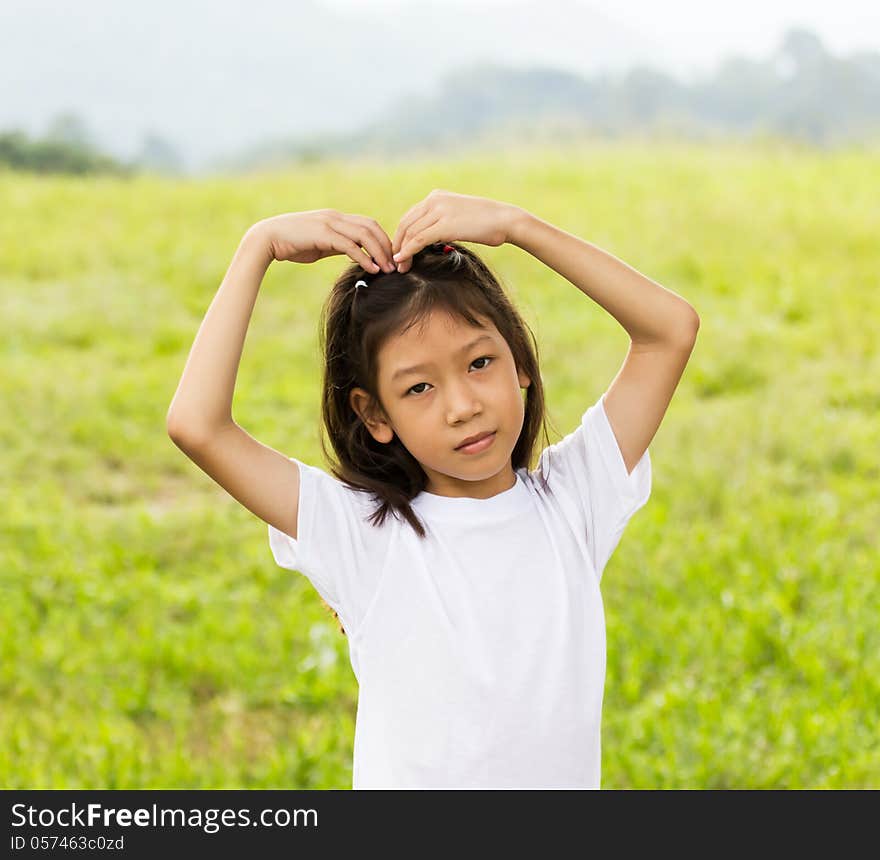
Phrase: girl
pixel 467 584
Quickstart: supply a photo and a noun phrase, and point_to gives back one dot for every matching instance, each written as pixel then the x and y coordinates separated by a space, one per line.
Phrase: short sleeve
pixel 336 548
pixel 587 475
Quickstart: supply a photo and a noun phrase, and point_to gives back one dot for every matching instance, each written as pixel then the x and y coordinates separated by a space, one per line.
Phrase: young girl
pixel 467 584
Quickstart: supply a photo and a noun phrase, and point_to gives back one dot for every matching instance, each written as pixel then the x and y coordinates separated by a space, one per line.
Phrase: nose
pixel 462 403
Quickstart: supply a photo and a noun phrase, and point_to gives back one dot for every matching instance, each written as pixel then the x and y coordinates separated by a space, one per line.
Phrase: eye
pixel 487 358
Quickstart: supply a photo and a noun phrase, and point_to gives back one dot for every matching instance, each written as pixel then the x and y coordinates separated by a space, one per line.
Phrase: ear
pixel 524 381
pixel 372 415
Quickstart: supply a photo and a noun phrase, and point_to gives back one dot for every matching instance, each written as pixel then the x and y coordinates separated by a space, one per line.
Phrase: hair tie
pixel 361 283
pixel 447 249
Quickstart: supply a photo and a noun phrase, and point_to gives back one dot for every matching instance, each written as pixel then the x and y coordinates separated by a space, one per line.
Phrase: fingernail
pixel 397 256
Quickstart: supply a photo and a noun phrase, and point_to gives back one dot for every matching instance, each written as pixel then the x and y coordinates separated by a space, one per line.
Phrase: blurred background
pixel 197 87
pixel 731 154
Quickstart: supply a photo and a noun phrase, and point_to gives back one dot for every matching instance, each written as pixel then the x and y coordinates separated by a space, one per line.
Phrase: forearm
pixel 649 312
pixel 203 400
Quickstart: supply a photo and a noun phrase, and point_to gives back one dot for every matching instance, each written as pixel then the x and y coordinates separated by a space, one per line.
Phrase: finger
pixel 380 241
pixel 365 239
pixel 421 233
pixel 414 213
pixel 346 245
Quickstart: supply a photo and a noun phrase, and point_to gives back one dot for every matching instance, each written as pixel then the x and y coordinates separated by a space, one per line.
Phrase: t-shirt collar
pixel 502 504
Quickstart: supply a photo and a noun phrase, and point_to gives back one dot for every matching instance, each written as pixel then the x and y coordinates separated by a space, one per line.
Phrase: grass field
pixel 150 641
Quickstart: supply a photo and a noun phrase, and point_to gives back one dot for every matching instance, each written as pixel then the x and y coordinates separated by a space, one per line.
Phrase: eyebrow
pixel 403 371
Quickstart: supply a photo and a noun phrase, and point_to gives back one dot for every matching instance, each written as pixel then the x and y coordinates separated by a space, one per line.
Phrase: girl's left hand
pixel 444 216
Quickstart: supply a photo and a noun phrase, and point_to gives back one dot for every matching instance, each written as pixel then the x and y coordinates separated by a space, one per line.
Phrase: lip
pixel 484 440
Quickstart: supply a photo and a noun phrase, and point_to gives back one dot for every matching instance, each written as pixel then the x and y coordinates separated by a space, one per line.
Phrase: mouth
pixel 480 443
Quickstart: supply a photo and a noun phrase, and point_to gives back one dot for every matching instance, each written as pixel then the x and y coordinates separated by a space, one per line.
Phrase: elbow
pixel 680 332
pixel 184 440
pixel 172 425
pixel 177 431
pixel 691 327
pixel 190 435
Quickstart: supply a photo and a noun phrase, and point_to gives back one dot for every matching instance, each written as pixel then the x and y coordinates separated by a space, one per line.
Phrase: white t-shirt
pixel 479 650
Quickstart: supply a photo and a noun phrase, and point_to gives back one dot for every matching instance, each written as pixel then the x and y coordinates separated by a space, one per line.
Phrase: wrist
pixel 517 225
pixel 257 241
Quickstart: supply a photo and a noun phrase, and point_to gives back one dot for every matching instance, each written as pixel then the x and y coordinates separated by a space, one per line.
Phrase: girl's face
pixel 463 387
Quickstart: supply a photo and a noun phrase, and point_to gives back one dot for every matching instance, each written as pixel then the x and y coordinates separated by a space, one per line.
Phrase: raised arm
pixel 650 313
pixel 199 419
pixel 202 404
pixel 662 327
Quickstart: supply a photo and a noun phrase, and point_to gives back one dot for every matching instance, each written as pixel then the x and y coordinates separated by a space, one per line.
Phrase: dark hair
pixel 356 321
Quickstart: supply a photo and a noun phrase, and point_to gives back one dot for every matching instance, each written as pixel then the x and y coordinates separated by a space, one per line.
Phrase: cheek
pixel 411 425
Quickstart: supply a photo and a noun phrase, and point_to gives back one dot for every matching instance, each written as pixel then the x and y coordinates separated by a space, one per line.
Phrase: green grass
pixel 149 640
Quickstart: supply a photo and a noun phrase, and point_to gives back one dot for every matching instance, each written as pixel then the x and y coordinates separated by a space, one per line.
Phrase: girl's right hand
pixel 304 237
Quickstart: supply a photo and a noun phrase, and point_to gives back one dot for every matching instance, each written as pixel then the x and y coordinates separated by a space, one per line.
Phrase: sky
pixel 213 78
pixel 696 33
